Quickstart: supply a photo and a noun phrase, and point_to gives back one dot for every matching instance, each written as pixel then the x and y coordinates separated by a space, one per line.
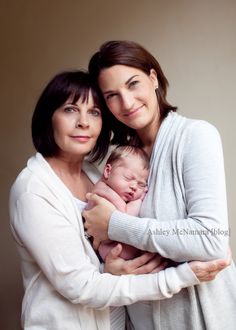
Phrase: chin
pixel 140 123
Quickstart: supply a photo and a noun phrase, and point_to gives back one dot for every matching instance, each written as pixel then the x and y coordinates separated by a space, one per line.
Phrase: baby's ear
pixel 107 171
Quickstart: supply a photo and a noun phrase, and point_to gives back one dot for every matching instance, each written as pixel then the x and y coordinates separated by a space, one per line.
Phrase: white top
pixel 64 288
pixel 81 204
pixel 117 314
pixel 185 218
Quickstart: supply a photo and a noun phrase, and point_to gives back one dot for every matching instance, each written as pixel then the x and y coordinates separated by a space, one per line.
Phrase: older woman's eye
pixel 69 109
pixel 95 112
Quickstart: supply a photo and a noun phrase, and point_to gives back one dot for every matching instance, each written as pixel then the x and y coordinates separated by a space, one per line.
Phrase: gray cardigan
pixel 184 217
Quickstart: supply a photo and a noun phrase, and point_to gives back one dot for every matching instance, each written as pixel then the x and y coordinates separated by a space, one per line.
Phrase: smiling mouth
pixel 133 112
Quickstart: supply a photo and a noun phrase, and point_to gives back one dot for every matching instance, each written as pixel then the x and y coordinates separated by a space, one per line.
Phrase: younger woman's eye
pixel 133 83
pixel 109 96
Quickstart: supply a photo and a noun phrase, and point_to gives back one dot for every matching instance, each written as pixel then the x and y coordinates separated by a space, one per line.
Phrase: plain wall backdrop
pixel 193 40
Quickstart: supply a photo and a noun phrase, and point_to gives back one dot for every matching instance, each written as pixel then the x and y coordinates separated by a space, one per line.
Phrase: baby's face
pixel 128 178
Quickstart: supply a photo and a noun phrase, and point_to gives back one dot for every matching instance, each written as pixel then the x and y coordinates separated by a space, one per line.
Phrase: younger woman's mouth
pixel 134 111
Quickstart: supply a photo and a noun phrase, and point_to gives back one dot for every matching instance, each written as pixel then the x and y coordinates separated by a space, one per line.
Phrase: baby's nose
pixel 133 185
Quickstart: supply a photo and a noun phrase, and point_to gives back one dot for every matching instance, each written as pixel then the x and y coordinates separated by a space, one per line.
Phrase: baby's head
pixel 126 172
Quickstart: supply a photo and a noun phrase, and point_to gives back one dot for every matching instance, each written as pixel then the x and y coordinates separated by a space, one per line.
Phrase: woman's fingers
pixel 114 253
pixel 113 263
pixel 154 265
pixel 144 264
pixel 159 268
pixel 208 270
pixel 96 243
pixel 97 218
pixel 136 263
pixel 147 263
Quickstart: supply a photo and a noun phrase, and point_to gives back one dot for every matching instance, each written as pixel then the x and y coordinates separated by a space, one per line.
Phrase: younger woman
pixel 184 214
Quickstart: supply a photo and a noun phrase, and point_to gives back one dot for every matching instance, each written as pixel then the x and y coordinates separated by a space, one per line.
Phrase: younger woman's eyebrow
pixel 126 83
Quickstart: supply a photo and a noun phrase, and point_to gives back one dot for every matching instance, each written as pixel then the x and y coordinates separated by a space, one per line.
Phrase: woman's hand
pixel 147 263
pixel 153 263
pixel 97 218
pixel 207 270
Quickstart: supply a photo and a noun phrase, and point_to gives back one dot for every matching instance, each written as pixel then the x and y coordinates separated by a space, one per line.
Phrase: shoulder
pixel 23 189
pixel 22 182
pixel 191 129
pixel 199 140
pixel 200 131
pixel 31 180
pixel 190 138
pixel 191 124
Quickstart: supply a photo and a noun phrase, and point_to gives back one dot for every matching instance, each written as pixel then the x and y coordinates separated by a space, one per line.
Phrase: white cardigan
pixel 63 286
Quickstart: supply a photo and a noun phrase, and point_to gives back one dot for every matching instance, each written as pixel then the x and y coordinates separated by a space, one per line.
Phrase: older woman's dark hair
pixel 71 83
pixel 134 55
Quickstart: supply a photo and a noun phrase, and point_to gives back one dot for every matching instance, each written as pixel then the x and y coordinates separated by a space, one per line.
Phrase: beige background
pixel 193 40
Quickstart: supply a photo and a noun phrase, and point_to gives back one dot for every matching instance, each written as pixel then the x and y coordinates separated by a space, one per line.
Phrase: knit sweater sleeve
pixel 55 247
pixel 203 233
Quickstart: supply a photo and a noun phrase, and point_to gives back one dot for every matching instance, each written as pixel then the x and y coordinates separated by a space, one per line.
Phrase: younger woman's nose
pixel 128 101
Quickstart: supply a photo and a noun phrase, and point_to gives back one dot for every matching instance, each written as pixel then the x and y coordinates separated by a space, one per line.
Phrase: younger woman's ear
pixel 153 77
pixel 107 171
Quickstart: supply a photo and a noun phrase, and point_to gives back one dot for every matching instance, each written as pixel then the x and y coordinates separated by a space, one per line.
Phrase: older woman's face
pixel 130 95
pixel 76 127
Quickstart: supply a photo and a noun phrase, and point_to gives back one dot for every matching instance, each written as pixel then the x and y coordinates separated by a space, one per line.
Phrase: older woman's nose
pixel 82 120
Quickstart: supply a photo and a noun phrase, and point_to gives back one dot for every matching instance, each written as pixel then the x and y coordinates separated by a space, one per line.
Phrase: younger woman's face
pixel 76 127
pixel 130 95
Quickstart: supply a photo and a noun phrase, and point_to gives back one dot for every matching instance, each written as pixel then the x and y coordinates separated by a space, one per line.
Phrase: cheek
pixel 98 126
pixel 139 193
pixel 114 107
pixel 153 97
pixel 57 129
pixel 58 137
pixel 124 184
pixel 118 183
pixel 59 124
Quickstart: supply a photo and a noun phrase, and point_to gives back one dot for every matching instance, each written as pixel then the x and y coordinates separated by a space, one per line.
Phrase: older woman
pixel 64 288
pixel 184 214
